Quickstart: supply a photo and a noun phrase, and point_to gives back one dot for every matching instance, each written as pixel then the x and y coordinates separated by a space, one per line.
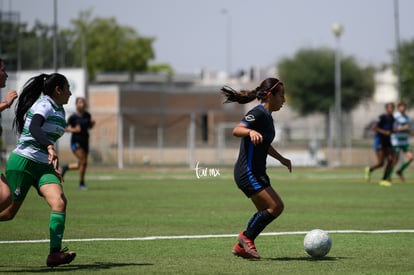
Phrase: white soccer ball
pixel 317 243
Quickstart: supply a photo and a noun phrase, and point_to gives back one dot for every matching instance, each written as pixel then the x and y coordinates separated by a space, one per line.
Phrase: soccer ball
pixel 317 243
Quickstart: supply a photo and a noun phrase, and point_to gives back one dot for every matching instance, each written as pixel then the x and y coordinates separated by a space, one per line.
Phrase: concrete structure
pixel 155 113
pixel 181 119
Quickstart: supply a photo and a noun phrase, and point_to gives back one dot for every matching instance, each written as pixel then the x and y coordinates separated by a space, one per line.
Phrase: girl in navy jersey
pixel 40 122
pixel 382 144
pixel 257 132
pixel 79 124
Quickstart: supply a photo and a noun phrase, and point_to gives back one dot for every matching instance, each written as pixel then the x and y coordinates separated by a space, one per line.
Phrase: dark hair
pixel 245 96
pixel 34 87
pixel 80 99
pixel 389 104
pixel 402 103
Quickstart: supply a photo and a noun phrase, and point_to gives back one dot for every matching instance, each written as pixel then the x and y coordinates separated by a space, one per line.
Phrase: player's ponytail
pixel 242 97
pixel 271 85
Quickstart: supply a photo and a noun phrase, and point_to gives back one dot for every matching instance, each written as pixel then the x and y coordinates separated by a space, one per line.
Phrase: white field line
pixel 151 238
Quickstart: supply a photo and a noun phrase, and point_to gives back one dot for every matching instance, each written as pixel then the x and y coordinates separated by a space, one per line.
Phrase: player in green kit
pixel 400 139
pixel 40 122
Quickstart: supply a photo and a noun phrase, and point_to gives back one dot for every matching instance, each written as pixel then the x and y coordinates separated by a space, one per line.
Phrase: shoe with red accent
pixel 239 251
pixel 61 257
pixel 401 176
pixel 248 246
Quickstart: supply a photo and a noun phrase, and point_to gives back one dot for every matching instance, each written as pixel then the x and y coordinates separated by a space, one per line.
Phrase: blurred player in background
pixel 382 145
pixel 5 195
pixel 79 124
pixel 257 132
pixel 40 122
pixel 400 139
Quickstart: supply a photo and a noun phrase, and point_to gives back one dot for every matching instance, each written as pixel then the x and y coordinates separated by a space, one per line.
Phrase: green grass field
pixel 121 205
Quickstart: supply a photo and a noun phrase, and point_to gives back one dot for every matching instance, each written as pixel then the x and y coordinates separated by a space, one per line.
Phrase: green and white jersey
pixel 54 127
pixel 400 138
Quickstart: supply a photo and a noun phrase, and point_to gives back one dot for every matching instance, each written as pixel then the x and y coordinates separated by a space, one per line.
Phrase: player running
pixel 400 139
pixel 79 124
pixel 257 132
pixel 5 195
pixel 382 145
pixel 40 122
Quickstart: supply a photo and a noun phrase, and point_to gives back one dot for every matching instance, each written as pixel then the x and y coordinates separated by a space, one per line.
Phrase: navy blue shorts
pixel 78 145
pixel 251 184
pixel 381 144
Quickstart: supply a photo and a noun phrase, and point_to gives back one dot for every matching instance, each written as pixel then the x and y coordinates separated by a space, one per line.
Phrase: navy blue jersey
pixel 84 120
pixel 385 122
pixel 251 163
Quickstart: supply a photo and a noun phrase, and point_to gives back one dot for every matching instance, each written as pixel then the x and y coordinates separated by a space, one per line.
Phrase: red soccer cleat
pixel 248 246
pixel 62 257
pixel 239 251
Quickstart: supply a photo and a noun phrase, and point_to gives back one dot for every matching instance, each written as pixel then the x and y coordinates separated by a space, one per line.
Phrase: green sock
pixel 56 228
pixel 403 166
pixel 388 172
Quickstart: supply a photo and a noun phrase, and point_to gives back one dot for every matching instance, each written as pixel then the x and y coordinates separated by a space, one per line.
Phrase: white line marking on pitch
pixel 151 238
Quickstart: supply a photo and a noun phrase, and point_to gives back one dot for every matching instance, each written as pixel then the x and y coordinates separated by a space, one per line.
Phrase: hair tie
pixel 274 86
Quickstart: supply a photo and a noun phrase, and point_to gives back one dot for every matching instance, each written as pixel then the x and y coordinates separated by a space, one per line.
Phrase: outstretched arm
pixel 284 161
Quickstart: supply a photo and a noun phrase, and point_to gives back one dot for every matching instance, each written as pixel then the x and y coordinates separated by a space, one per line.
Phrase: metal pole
pixel 160 143
pixel 39 49
pixel 337 30
pixel 330 138
pixel 228 40
pixel 19 43
pixel 397 50
pixel 131 144
pixel 191 141
pixel 55 37
pixel 338 103
pixel 120 134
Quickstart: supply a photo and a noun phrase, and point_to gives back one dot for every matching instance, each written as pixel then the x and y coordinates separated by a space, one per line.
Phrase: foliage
pixel 107 46
pixel 32 48
pixel 310 81
pixel 99 43
pixel 157 68
pixel 407 71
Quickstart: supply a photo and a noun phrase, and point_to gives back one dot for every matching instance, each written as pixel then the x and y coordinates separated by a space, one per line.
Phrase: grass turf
pixel 173 202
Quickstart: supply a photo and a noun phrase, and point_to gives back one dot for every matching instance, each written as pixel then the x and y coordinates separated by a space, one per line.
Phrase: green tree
pixel 37 47
pixel 310 81
pixel 104 45
pixel 407 71
pixel 32 48
pixel 99 44
pixel 156 68
pixel 10 36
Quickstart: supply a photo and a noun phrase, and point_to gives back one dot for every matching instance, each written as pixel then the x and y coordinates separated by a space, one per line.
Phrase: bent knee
pixel 62 202
pixel 83 163
pixel 59 203
pixel 277 209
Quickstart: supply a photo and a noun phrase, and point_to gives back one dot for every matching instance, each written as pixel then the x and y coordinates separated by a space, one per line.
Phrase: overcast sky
pixel 191 34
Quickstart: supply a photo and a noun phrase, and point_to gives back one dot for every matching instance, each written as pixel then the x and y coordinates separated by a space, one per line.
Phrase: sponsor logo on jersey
pixel 249 118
